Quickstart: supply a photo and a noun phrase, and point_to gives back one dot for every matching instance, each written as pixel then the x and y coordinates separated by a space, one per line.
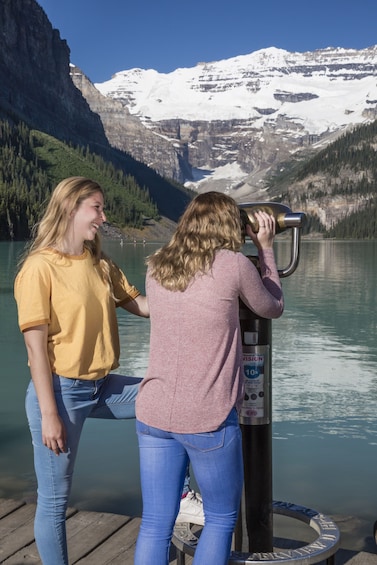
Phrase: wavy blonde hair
pixel 210 222
pixel 52 228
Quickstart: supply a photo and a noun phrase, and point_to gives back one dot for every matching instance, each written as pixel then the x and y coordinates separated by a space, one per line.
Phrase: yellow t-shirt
pixel 67 293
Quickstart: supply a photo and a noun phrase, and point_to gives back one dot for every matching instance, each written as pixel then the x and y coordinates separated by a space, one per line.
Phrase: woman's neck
pixel 68 248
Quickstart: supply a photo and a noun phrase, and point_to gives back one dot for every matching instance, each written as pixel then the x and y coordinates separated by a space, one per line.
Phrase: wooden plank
pixel 8 506
pixel 25 556
pixel 99 539
pixel 16 530
pixel 87 530
pixel 93 538
pixel 118 549
pixel 22 549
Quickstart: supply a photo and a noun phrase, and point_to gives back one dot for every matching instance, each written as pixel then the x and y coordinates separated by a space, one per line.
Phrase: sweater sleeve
pixel 262 292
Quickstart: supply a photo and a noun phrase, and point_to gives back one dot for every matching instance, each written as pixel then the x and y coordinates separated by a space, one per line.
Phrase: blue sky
pixel 107 36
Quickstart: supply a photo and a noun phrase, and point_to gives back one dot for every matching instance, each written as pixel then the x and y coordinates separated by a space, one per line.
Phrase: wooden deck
pixel 99 538
pixel 94 538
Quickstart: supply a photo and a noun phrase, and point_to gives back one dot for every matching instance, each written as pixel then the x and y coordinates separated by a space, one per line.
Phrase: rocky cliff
pixel 34 75
pixel 37 88
pixel 128 133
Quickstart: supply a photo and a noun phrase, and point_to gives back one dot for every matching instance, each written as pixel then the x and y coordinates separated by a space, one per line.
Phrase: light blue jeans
pixel 216 459
pixel 112 397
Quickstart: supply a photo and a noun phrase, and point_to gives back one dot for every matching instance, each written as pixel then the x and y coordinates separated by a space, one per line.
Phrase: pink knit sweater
pixel 194 375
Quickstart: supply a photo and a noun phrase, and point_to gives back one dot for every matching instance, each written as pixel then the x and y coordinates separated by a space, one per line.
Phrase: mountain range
pixel 227 124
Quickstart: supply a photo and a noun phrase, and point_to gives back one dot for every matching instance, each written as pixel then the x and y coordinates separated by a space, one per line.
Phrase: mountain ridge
pixel 233 120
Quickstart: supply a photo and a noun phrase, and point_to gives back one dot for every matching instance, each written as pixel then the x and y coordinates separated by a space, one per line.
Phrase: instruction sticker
pixel 253 405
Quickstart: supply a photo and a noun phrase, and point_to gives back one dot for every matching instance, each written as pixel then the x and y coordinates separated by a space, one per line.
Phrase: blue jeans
pixel 216 459
pixel 112 397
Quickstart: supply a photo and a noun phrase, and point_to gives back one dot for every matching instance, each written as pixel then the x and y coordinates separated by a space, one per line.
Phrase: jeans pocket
pixel 206 441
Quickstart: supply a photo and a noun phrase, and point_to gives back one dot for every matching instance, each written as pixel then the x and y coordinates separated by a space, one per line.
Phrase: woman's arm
pixel 53 431
pixel 123 290
pixel 138 306
pixel 263 294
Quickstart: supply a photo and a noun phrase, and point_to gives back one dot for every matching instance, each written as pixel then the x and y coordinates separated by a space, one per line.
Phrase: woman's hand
pixel 53 433
pixel 264 239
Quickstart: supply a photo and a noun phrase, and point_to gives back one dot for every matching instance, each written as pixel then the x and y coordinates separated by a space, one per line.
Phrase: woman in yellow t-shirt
pixel 67 292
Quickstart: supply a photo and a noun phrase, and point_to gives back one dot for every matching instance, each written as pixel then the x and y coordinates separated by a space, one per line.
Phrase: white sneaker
pixel 191 509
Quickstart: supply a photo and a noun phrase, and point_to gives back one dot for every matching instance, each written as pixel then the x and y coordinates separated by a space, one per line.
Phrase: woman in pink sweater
pixel 187 405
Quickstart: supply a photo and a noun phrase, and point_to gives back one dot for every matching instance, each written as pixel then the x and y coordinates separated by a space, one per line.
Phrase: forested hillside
pixel 32 163
pixel 337 187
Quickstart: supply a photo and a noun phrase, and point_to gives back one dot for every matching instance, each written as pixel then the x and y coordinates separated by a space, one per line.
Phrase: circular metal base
pixel 323 547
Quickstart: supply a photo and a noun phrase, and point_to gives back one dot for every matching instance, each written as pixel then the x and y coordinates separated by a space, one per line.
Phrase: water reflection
pixel 324 346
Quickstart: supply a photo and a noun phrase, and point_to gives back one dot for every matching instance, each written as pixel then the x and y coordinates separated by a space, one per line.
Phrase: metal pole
pixel 256 427
pixel 256 413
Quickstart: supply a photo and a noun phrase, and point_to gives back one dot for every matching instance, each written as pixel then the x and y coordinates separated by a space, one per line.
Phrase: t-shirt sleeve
pixel 32 291
pixel 123 290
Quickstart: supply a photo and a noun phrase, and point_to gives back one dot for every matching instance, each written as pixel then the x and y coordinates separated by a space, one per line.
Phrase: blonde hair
pixel 52 228
pixel 210 222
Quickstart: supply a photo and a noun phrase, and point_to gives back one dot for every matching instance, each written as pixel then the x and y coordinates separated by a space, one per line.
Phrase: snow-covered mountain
pixel 229 122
